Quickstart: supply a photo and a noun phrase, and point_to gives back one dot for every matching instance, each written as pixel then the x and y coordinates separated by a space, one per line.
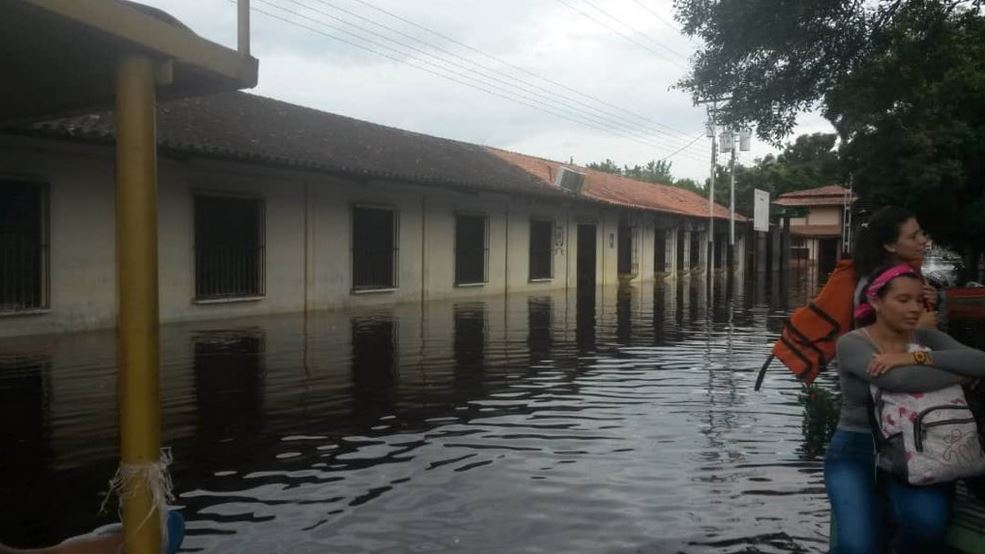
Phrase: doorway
pixel 586 256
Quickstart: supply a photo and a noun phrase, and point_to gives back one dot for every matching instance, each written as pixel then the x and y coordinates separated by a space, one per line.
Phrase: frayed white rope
pixel 156 478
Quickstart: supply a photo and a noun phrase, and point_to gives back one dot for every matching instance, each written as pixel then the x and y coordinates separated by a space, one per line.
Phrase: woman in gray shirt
pixel 879 353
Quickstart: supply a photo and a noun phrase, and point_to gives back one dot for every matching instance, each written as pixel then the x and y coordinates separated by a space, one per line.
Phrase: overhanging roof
pixel 59 56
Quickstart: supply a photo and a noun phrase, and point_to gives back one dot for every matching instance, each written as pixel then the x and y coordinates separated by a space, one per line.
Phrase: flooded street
pixel 620 423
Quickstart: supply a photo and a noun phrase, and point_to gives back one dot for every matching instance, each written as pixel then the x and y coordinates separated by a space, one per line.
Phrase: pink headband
pixel 864 309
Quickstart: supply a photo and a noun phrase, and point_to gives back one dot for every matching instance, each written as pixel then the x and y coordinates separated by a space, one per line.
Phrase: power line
pixel 518 68
pixel 622 34
pixel 484 80
pixel 442 72
pixel 635 31
pixel 679 150
pixel 551 94
pixel 663 20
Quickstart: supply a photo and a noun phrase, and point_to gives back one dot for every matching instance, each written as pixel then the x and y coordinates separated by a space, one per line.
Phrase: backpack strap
pixel 871 405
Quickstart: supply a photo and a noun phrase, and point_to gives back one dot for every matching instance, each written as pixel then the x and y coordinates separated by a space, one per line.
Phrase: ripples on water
pixel 620 423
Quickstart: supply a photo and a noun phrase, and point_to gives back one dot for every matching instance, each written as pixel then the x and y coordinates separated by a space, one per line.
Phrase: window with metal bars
pixel 23 246
pixel 229 247
pixel 471 249
pixel 541 251
pixel 374 248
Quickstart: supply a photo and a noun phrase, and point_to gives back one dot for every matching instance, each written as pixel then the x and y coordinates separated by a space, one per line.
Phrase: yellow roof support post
pixel 59 58
pixel 140 476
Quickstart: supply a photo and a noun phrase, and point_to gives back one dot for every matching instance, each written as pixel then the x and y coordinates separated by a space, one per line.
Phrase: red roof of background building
pixel 623 191
pixel 828 195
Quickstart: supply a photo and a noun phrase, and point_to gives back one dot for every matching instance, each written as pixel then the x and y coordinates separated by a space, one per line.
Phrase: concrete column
pixel 760 253
pixel 670 252
pixel 774 239
pixel 687 252
pixel 703 259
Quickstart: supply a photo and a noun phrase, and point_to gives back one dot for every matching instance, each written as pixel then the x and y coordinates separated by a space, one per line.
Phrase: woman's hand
pixel 929 295
pixel 928 320
pixel 882 363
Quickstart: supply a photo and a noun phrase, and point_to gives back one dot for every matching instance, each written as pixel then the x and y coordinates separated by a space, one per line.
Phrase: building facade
pixel 817 237
pixel 248 235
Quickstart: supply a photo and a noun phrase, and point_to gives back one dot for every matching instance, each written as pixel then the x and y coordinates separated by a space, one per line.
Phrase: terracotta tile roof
pixel 619 190
pixel 829 195
pixel 827 190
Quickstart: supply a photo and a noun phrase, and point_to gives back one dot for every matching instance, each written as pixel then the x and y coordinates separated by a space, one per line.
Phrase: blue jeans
pixel 861 506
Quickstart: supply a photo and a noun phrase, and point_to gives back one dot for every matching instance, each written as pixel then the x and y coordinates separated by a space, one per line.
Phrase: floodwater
pixel 622 422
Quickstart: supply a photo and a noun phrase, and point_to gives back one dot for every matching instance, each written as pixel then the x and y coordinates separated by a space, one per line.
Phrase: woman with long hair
pixel 883 352
pixel 893 236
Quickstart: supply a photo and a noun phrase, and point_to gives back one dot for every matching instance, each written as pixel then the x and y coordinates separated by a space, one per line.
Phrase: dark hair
pixel 881 293
pixel 883 228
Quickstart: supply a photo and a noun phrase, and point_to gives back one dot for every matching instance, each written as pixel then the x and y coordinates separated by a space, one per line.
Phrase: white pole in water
pixel 711 188
pixel 731 200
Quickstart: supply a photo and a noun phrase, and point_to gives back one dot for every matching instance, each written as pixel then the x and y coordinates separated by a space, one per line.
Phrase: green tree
pixel 654 171
pixel 914 121
pixel 606 165
pixel 774 60
pixel 901 80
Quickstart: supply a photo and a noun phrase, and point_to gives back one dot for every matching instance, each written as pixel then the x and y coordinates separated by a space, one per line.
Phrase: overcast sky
pixel 561 79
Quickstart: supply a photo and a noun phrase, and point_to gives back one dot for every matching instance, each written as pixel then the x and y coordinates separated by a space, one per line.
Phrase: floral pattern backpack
pixel 926 438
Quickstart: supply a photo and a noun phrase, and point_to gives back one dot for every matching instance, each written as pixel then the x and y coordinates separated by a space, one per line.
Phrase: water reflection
pixel 229 387
pixel 24 434
pixel 374 367
pixel 612 421
pixel 539 332
pixel 585 321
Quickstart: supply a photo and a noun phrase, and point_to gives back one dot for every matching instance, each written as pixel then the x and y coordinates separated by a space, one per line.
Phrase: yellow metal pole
pixel 136 254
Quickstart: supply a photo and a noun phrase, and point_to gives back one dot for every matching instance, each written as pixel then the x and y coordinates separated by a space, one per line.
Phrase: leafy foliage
pixel 902 81
pixel 654 171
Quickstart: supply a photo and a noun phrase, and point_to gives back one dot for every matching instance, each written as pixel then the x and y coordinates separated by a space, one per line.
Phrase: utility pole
pixel 712 132
pixel 735 142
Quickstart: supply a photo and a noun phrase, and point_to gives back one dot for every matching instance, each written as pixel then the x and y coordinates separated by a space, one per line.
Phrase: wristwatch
pixel 921 357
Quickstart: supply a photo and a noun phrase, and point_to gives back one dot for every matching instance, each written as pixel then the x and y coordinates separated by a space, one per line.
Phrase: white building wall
pixel 307 238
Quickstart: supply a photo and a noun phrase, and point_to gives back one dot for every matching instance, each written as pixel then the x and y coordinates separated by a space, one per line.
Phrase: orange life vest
pixel 809 336
pixel 807 342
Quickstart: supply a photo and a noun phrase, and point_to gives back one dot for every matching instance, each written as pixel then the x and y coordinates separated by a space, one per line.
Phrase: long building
pixel 268 207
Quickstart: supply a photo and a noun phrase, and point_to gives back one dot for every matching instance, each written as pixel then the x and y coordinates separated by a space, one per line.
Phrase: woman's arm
pixel 855 354
pixel 950 355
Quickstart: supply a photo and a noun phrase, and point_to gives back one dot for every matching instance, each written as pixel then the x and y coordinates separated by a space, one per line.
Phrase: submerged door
pixel 586 256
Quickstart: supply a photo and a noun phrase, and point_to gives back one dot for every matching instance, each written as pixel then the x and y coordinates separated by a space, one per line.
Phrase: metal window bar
pixel 230 247
pixel 374 248
pixel 471 249
pixel 23 247
pixel 541 252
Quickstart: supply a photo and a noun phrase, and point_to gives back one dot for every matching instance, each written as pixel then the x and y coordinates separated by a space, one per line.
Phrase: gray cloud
pixel 545 38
